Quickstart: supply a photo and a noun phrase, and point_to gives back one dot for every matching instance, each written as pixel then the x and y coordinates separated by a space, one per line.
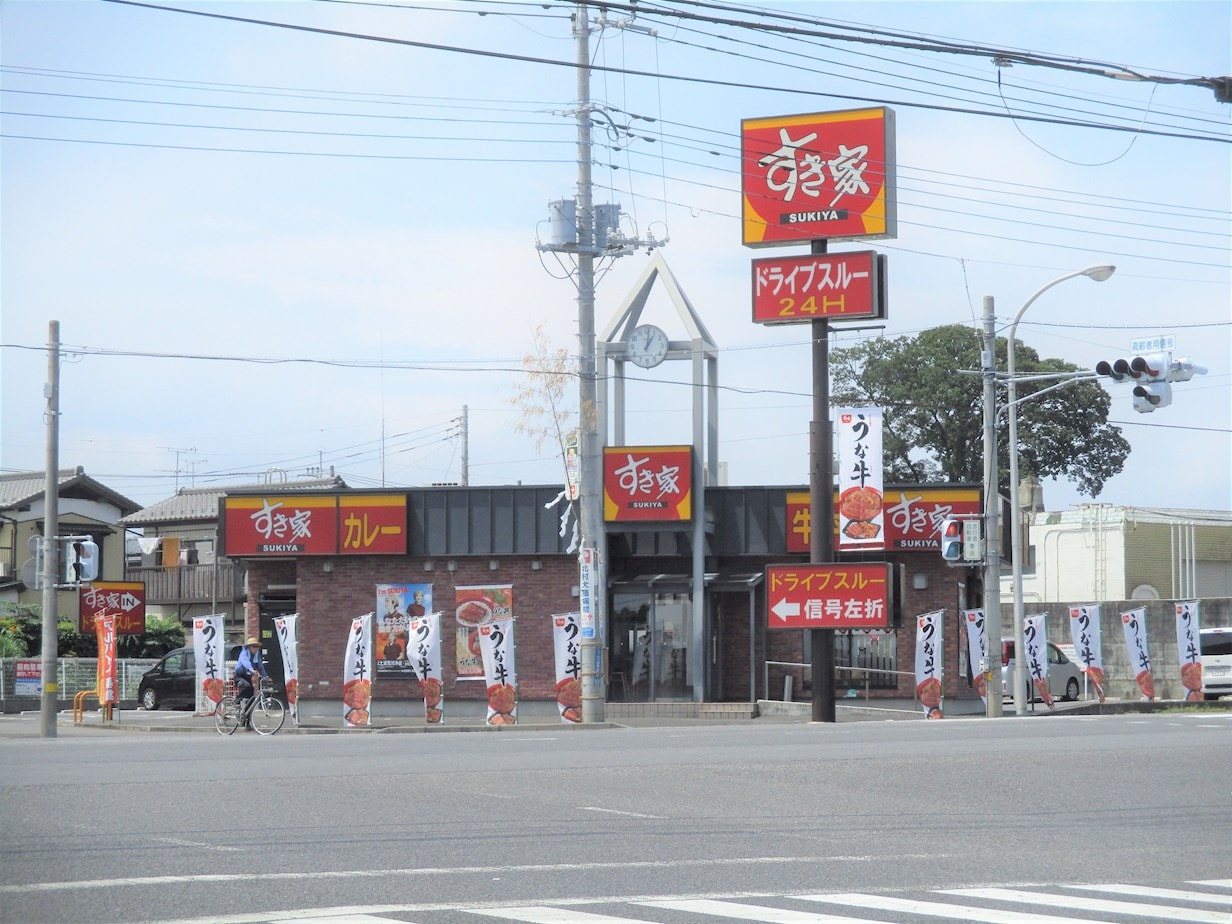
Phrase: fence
pixel 886 679
pixel 75 675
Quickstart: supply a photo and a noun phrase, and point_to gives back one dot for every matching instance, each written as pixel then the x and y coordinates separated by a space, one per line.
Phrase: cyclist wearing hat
pixel 249 663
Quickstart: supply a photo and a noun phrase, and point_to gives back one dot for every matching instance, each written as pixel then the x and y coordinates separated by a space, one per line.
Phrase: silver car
pixel 1064 676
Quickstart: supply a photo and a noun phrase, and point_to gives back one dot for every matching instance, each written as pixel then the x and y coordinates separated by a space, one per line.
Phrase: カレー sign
pixel 314 524
pixel 821 175
pixel 126 599
pixel 912 518
pixel 828 596
pixel 647 483
pixel 836 286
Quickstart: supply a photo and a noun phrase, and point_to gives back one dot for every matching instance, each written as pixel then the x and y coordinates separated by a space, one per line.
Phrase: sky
pixel 273 251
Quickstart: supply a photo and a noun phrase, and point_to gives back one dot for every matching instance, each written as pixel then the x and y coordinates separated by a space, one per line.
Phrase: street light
pixel 1099 274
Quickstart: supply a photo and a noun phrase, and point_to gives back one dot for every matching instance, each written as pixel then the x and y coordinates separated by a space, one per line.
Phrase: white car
pixel 1064 676
pixel 1216 662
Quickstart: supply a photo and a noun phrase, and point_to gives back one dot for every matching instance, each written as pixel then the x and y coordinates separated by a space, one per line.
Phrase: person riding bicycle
pixel 249 663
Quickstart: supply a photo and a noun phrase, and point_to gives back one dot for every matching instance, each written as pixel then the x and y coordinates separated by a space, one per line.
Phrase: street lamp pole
pixel 992 519
pixel 1099 273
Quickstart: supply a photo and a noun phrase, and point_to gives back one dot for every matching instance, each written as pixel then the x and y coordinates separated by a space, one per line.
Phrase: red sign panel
pixel 836 286
pixel 315 524
pixel 837 596
pixel 373 524
pixel 912 517
pixel 822 175
pixel 647 483
pixel 124 599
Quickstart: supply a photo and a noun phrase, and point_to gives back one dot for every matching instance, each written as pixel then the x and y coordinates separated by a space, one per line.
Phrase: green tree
pixel 934 427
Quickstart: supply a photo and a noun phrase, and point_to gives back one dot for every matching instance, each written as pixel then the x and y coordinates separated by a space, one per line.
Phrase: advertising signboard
pixel 828 596
pixel 835 286
pixel 912 516
pixel 647 483
pixel 124 599
pixel 314 524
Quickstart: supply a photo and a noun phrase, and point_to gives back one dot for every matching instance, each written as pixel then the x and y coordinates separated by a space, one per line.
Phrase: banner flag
pixel 288 642
pixel 425 643
pixel 974 621
pixel 1084 628
pixel 1134 624
pixel 1035 632
pixel 357 673
pixel 861 519
pixel 1189 648
pixel 211 663
pixel 928 671
pixel 499 671
pixel 105 632
pixel 565 629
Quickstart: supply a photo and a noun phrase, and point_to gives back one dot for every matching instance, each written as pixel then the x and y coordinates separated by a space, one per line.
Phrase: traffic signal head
pixel 80 561
pixel 951 539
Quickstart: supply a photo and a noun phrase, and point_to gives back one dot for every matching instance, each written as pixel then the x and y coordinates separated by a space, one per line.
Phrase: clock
pixel 647 346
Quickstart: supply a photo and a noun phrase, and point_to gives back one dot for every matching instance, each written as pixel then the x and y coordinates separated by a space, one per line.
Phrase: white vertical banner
pixel 1134 624
pixel 285 627
pixel 928 657
pixel 861 520
pixel 1035 632
pixel 1189 648
pixel 500 672
pixel 425 654
pixel 588 564
pixel 357 673
pixel 973 620
pixel 1084 629
pixel 211 664
pixel 565 629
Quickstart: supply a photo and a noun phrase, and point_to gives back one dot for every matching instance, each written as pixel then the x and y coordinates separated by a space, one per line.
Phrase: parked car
pixel 1216 662
pixel 173 680
pixel 1064 676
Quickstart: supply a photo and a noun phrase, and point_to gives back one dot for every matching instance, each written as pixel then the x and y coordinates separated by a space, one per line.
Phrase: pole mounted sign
pixel 829 596
pixel 836 286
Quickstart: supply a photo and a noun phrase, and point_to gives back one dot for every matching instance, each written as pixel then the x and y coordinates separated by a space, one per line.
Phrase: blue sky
pixel 185 186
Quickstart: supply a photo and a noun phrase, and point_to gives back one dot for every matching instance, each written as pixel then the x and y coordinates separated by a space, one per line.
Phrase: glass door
pixel 650 635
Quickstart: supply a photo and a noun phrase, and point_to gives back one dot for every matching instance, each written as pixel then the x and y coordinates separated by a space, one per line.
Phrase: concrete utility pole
pixel 821 503
pixel 992 518
pixel 51 526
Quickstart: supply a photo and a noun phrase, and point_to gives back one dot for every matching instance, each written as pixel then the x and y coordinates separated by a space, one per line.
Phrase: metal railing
pixel 866 671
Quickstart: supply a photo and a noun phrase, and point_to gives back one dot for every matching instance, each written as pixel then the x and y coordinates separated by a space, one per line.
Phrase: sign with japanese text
pixel 357 673
pixel 929 689
pixel 208 652
pixel 287 630
pixel 568 648
pixel 1188 649
pixel 977 650
pixel 834 286
pixel 499 671
pixel 911 517
pixel 1035 634
pixel 396 606
pixel 1084 630
pixel 28 677
pixel 828 596
pixel 588 563
pixel 821 175
pixel 105 631
pixel 314 524
pixel 1134 624
pixel 426 654
pixel 647 483
pixel 474 607
pixel 124 599
pixel 860 510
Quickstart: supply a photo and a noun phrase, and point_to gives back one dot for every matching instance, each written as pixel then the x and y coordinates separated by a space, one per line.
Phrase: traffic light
pixel 1152 374
pixel 951 539
pixel 80 561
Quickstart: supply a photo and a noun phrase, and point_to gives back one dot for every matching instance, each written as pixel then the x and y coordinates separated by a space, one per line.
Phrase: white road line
pixel 339 919
pixel 757 913
pixel 940 909
pixel 1179 895
pixel 177 842
pixel 1217 883
pixel 542 914
pixel 608 811
pixel 1081 903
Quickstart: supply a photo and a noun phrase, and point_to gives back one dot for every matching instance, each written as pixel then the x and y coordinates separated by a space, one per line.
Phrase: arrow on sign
pixel 783 609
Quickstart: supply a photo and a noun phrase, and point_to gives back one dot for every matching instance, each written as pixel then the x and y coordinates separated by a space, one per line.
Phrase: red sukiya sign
pixel 647 483
pixel 836 286
pixel 124 599
pixel 821 175
pixel 832 596
pixel 912 517
pixel 315 524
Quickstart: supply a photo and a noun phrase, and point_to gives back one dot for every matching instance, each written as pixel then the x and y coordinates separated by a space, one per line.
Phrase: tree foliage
pixel 934 428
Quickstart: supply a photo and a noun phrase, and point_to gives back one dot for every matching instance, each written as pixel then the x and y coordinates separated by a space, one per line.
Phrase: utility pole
pixel 821 503
pixel 992 518
pixel 51 526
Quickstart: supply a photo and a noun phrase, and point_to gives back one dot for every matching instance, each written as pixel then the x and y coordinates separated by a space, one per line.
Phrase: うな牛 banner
pixel 1189 648
pixel 568 647
pixel 211 665
pixel 928 673
pixel 499 671
pixel 973 620
pixel 861 516
pixel 357 673
pixel 425 641
pixel 1035 633
pixel 1134 624
pixel 1084 628
pixel 286 628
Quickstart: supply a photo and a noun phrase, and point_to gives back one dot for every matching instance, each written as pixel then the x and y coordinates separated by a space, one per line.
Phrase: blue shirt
pixel 250 663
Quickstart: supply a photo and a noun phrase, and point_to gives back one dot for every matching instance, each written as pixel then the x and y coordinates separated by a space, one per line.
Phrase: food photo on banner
pixel 1035 633
pixel 861 519
pixel 565 629
pixel 974 622
pixel 1084 629
pixel 211 663
pixel 1134 624
pixel 396 606
pixel 105 675
pixel 357 673
pixel 476 606
pixel 426 656
pixel 499 671
pixel 285 627
pixel 928 674
pixel 1189 649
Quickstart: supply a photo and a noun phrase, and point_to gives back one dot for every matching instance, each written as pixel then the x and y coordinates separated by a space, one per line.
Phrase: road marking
pixel 1218 883
pixel 178 842
pixel 939 909
pixel 1080 903
pixel 1123 888
pixel 542 914
pixel 595 808
pixel 757 913
pixel 342 919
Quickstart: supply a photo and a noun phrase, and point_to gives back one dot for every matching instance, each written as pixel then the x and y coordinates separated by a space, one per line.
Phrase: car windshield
pixel 1217 643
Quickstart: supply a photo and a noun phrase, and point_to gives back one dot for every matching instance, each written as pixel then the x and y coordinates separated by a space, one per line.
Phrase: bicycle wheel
pixel 268 715
pixel 227 715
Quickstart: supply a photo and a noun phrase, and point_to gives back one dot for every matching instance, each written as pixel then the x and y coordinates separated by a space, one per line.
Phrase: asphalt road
pixel 157 827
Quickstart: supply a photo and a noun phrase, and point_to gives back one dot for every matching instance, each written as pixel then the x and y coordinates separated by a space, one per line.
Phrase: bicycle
pixel 263 710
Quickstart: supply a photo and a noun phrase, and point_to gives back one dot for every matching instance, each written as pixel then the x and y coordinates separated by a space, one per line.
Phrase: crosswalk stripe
pixel 1082 903
pixel 542 914
pixel 940 909
pixel 335 919
pixel 1217 883
pixel 1179 895
pixel 758 913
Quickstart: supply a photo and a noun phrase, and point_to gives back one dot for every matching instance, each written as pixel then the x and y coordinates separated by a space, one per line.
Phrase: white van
pixel 1216 662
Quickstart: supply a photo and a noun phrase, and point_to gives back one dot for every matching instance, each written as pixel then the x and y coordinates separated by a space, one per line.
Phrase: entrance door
pixel 650 635
pixel 271 608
